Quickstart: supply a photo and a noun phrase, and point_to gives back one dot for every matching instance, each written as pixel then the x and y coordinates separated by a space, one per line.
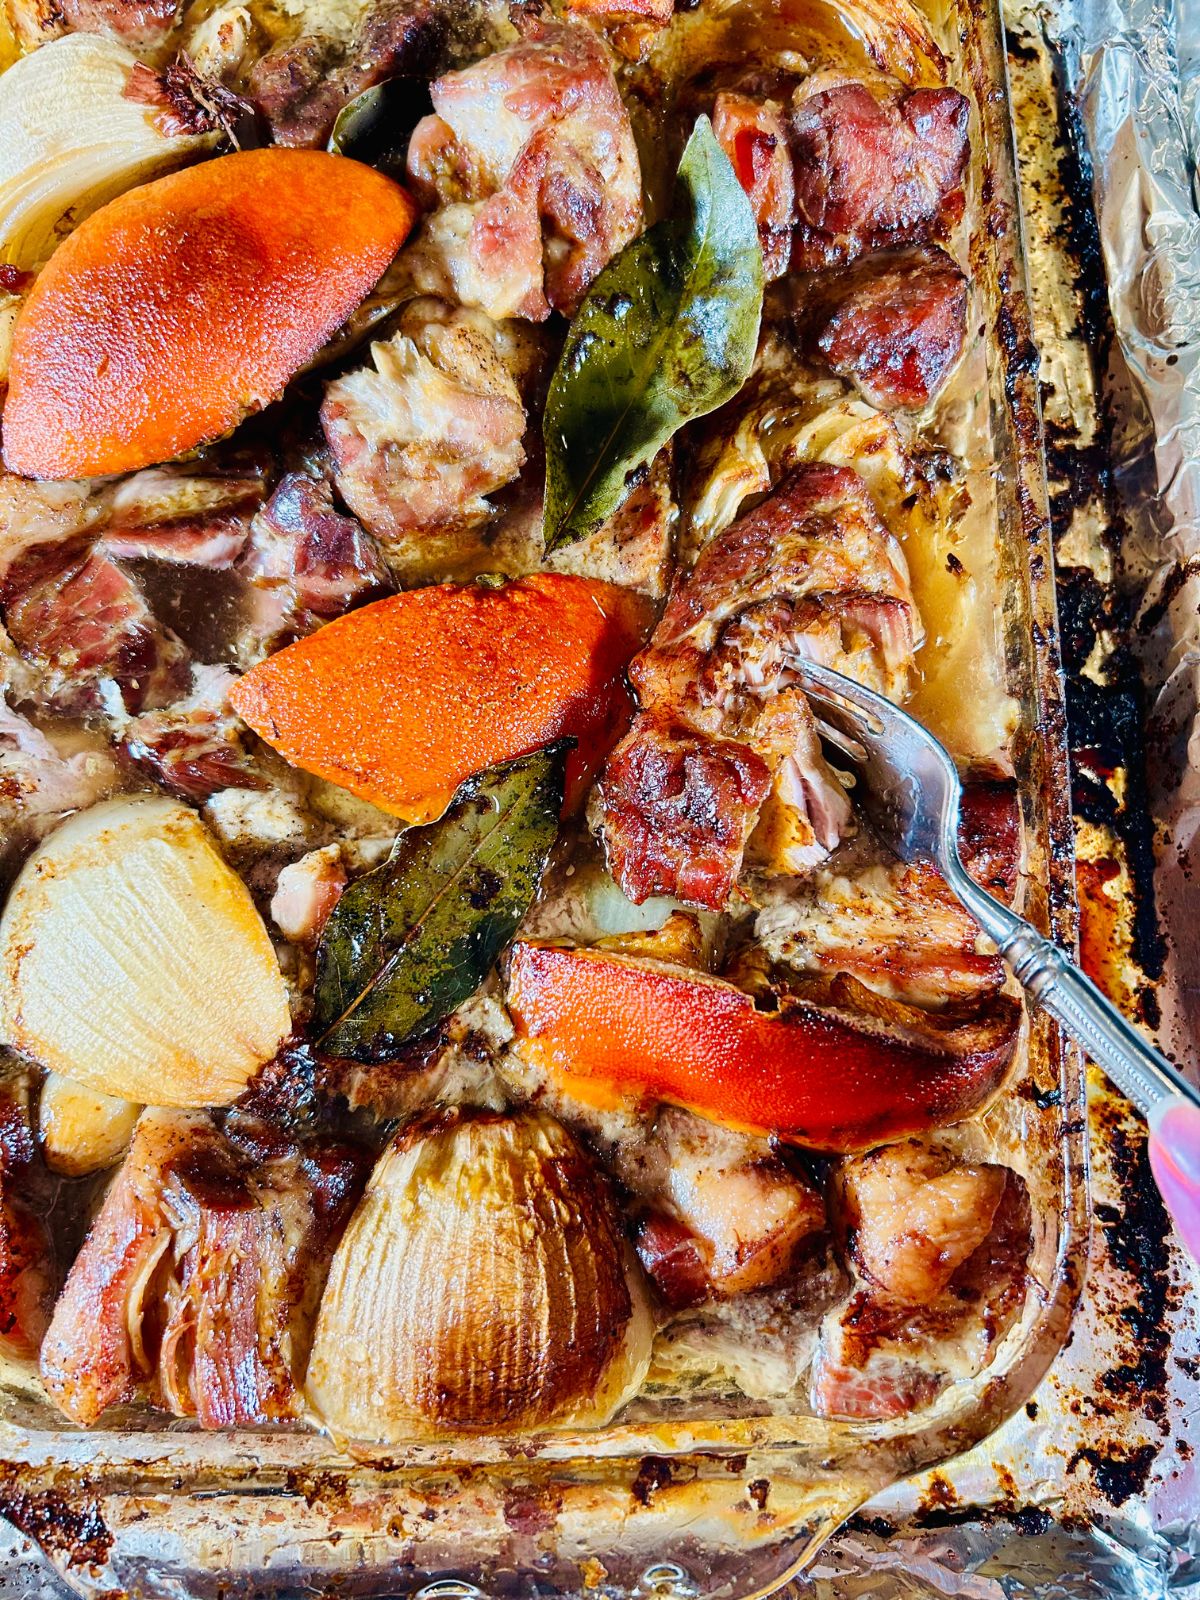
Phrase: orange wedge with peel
pixel 402 700
pixel 180 307
pixel 841 1076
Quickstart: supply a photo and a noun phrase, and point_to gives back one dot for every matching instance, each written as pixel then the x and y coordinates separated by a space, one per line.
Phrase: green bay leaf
pixel 413 939
pixel 376 125
pixel 667 333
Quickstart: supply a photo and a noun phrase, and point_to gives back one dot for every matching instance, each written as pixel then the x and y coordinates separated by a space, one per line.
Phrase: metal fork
pixel 912 794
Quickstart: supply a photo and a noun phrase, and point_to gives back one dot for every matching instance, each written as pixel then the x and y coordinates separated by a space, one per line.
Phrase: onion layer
pixel 483 1284
pixel 133 960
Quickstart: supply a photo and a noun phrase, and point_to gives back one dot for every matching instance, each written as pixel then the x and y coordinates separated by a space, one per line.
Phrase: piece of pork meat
pixel 84 624
pixel 754 135
pixel 305 563
pixel 989 834
pixel 633 548
pixel 140 24
pixel 211 542
pixel 300 85
pixel 898 929
pixel 301 542
pixel 631 26
pixel 200 1275
pixel 610 12
pixel 41 783
pixel 726 1215
pixel 894 324
pixel 912 1215
pixel 810 571
pixel 679 807
pixel 29 1274
pixel 872 165
pixel 196 747
pixel 531 162
pixel 939 1248
pixel 34 514
pixel 185 493
pixel 306 892
pixel 435 423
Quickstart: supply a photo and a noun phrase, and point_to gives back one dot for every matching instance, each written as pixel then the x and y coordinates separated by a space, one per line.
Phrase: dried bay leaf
pixel 413 939
pixel 667 333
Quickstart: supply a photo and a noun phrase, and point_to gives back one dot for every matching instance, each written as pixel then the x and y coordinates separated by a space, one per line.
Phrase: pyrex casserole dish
pixel 688 1492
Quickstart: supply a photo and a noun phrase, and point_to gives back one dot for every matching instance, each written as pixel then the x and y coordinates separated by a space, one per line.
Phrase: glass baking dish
pixel 691 1493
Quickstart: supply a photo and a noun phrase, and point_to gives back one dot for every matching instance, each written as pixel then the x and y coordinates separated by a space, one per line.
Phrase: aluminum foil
pixel 1094 1488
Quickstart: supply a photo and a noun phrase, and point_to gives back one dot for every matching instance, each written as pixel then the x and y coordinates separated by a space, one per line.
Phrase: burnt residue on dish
pixel 1106 698
pixel 70 1530
pixel 1135 1236
pixel 1106 704
pixel 1119 1475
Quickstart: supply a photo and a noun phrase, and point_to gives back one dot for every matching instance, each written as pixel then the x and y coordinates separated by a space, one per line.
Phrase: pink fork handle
pixel 1175 1161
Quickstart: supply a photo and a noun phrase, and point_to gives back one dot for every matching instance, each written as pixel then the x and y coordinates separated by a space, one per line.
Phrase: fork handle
pixel 1054 982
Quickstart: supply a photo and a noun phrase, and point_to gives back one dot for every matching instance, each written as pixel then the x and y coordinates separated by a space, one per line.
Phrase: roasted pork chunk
pixel 41 782
pixel 678 809
pixel 319 561
pixel 306 893
pixel 810 571
pixel 845 167
pixel 725 1214
pixel 28 1266
pixel 201 1273
pixel 165 513
pixel 531 163
pixel 84 625
pixel 140 24
pixel 893 323
pixel 212 542
pixel 895 928
pixel 875 165
pixel 631 25
pixel 196 746
pixel 939 1247
pixel 754 135
pixel 301 84
pixel 433 425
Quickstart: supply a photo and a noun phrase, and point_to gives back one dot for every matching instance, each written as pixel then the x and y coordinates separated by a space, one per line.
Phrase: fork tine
pixel 819 696
pixel 831 689
pixel 910 785
pixel 871 712
pixel 843 722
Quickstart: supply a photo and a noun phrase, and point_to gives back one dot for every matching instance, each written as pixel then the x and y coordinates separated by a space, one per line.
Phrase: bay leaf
pixel 375 127
pixel 667 333
pixel 413 939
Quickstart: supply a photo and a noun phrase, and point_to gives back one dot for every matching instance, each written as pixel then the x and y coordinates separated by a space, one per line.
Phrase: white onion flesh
pixel 70 140
pixel 135 962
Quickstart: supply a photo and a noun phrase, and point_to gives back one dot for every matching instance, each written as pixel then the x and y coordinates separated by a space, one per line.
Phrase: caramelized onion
pixel 71 137
pixel 483 1284
pixel 81 1129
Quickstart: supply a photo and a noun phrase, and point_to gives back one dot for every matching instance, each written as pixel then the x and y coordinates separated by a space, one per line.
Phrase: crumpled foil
pixel 1093 1489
